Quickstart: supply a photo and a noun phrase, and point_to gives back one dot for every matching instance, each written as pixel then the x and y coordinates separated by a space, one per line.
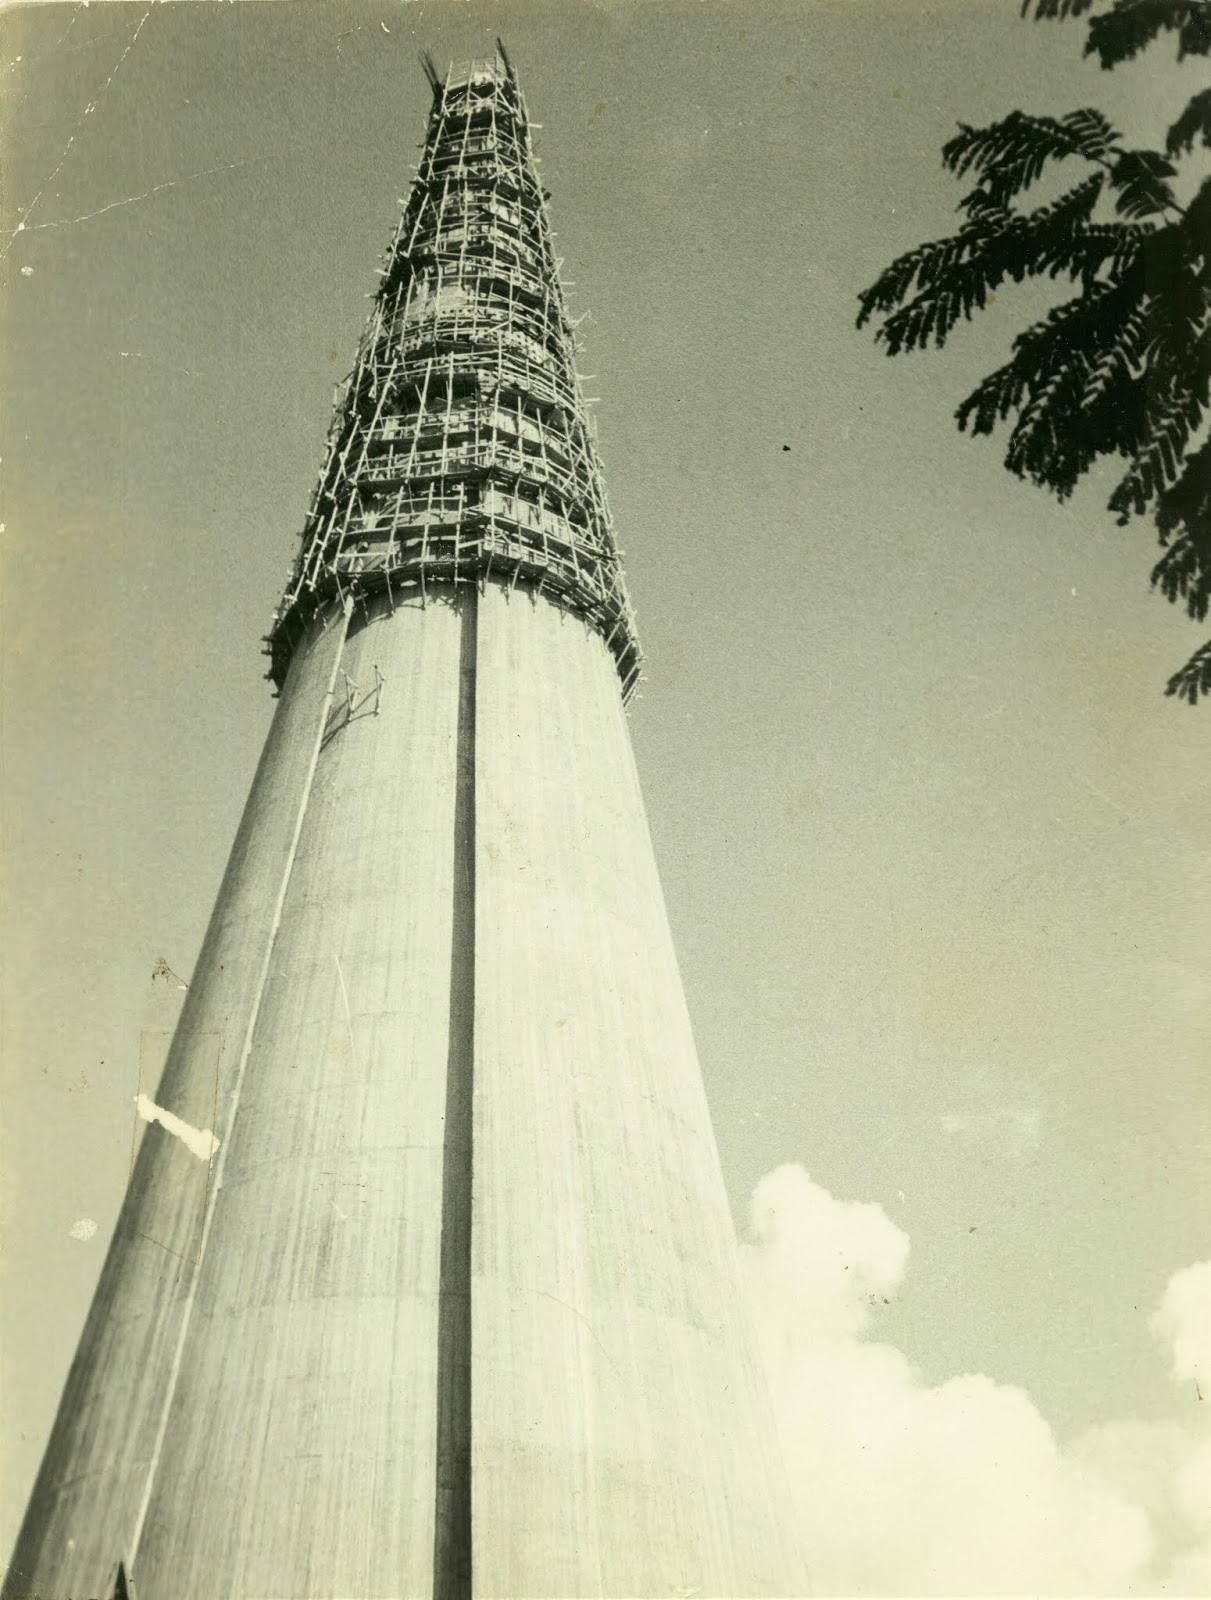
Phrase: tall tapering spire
pixel 461 449
pixel 452 1308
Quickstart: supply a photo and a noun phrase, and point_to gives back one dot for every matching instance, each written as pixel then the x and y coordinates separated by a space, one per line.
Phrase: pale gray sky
pixel 934 844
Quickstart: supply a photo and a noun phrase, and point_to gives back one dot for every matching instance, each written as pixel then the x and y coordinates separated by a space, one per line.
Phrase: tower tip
pixel 465 271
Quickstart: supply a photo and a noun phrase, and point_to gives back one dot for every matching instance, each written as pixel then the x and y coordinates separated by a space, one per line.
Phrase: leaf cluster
pixel 1128 26
pixel 1121 367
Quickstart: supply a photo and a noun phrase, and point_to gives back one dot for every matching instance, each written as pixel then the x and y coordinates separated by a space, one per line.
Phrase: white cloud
pixel 820 1260
pixel 959 1488
pixel 1182 1322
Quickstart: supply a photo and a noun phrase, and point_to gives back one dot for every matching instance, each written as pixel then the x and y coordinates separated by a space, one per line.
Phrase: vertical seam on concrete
pixel 245 1052
pixel 452 1511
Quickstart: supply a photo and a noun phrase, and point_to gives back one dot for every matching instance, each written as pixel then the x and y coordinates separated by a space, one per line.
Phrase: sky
pixel 934 843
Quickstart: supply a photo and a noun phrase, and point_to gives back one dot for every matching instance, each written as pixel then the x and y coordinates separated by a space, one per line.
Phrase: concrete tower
pixel 449 1305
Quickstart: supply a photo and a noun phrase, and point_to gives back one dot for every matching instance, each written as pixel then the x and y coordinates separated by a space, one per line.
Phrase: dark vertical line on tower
pixel 452 1526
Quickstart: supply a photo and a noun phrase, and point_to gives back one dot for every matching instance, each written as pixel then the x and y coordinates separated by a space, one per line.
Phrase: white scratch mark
pixel 592 1331
pixel 1101 795
pixel 138 355
pixel 130 200
pixel 83 1229
pixel 200 1141
pixel 345 997
pixel 71 138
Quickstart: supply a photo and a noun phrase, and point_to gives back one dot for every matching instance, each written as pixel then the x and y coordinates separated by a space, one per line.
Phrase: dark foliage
pixel 1123 367
pixel 1124 28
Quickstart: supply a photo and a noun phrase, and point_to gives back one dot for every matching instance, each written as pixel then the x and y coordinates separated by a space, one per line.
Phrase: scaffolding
pixel 461 449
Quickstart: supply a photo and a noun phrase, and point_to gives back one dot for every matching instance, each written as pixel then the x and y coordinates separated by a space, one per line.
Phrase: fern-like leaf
pixel 1195 231
pixel 1010 155
pixel 1041 445
pixel 1094 135
pixel 1193 680
pixel 1139 178
pixel 1124 366
pixel 1047 10
pixel 1183 521
pixel 1122 358
pixel 1094 319
pixel 1184 573
pixel 1122 32
pixel 1050 10
pixel 1195 121
pixel 1174 418
pixel 956 276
